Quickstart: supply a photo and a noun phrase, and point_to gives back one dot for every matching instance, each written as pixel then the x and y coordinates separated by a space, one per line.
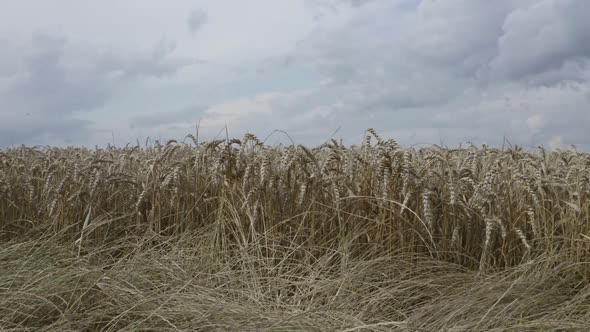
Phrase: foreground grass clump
pixel 238 235
pixel 190 285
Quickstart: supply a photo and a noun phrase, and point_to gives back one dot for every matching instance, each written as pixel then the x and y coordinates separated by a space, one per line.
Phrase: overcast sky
pixel 80 72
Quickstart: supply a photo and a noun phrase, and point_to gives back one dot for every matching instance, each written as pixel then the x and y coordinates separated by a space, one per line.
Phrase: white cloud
pixel 536 121
pixel 556 142
pixel 256 109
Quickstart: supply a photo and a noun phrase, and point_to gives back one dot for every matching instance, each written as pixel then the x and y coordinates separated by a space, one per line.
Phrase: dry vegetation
pixel 235 235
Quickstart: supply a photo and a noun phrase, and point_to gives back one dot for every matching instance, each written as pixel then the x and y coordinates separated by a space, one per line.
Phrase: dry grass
pixel 237 235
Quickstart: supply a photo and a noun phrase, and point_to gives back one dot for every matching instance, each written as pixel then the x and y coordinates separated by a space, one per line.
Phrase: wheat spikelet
pixel 350 165
pixel 249 197
pixel 286 159
pixel 405 202
pixel 385 181
pixel 5 186
pixel 301 196
pixel 52 207
pixel 95 182
pixel 169 151
pixel 452 194
pixel 406 173
pixel 532 221
pixel 248 138
pixel 308 153
pixel 503 232
pixel 455 237
pixel 47 184
pixel 193 138
pixel 332 159
pixel 426 205
pixel 140 201
pixel 336 192
pixel 522 238
pixel 247 176
pixel 30 189
pixel 62 184
pixel 374 133
pixel 264 169
pixel 171 178
pixel 76 173
pixel 489 228
pixel 383 161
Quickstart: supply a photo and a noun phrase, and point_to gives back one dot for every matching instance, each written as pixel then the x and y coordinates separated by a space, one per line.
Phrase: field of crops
pixel 237 235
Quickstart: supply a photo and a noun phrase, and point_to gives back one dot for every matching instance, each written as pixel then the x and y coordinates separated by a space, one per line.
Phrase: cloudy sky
pixel 421 72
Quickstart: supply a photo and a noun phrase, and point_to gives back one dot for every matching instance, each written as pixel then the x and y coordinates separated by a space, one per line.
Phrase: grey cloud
pixel 9 59
pixel 422 72
pixel 40 105
pixel 158 64
pixel 400 60
pixel 576 69
pixel 196 19
pixel 486 120
pixel 358 3
pixel 44 131
pixel 416 70
pixel 49 87
pixel 541 38
pixel 483 40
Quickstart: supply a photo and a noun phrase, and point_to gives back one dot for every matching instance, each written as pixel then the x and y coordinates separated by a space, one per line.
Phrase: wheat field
pixel 237 235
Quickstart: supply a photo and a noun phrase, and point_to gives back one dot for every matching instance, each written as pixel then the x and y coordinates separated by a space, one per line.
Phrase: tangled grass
pixel 237 235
